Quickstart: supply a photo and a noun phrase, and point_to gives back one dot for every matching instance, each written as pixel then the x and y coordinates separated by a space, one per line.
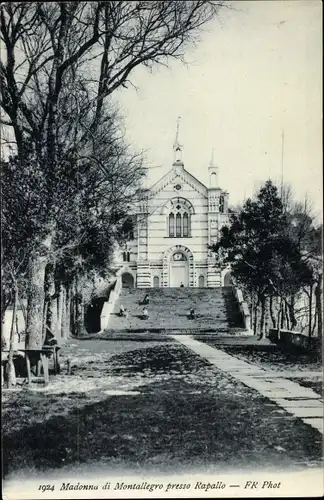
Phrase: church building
pixel 175 222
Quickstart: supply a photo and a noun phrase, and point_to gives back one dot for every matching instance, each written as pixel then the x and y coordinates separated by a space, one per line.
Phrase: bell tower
pixel 213 173
pixel 177 148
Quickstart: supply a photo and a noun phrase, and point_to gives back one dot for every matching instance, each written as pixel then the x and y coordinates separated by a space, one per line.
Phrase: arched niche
pixel 127 280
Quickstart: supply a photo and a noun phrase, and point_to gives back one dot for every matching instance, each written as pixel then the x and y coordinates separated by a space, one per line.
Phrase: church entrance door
pixel 179 270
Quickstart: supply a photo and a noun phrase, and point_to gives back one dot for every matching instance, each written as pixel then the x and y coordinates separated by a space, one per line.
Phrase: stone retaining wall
pixel 244 310
pixel 109 305
pixel 294 340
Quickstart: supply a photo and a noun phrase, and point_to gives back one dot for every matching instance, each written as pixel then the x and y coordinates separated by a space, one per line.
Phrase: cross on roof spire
pixel 177 147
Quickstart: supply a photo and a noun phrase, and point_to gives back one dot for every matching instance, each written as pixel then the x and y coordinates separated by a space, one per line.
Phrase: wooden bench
pixel 40 358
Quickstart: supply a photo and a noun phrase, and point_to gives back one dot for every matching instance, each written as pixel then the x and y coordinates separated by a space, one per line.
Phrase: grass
pixel 149 406
pixel 271 357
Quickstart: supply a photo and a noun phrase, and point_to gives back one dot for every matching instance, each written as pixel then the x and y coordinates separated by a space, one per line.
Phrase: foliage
pixel 271 251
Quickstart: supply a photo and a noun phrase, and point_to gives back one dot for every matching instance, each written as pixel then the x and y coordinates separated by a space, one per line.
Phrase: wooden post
pixel 39 368
pixel 28 367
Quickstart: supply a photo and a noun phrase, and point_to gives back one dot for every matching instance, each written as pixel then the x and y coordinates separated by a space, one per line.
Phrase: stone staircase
pixel 216 310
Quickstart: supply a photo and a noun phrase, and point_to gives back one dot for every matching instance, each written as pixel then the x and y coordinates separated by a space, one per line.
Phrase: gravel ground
pixel 149 406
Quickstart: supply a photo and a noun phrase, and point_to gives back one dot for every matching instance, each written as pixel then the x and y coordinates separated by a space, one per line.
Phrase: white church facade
pixel 175 223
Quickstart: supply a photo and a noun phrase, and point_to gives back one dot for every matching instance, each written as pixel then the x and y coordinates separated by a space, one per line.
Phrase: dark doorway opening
pixel 92 315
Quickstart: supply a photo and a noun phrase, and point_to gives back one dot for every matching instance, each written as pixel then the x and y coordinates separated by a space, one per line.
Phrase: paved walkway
pixel 300 401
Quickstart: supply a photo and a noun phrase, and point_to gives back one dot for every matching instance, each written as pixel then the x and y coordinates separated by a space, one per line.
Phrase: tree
pixel 92 195
pixel 62 60
pixel 265 258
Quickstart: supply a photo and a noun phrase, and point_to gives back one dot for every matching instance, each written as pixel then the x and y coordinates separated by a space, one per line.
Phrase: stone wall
pixel 244 309
pixel 109 305
pixel 294 340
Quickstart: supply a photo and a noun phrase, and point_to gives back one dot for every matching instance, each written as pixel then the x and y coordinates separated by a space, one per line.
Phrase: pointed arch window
pixel 185 225
pixel 178 225
pixel 179 219
pixel 171 225
pixel 126 256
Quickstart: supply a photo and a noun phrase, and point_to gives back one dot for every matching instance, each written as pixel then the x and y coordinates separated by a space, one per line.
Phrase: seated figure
pixel 191 314
pixel 145 301
pixel 122 311
pixel 145 313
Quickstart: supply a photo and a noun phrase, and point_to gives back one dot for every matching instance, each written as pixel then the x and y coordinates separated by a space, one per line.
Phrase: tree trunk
pixel 255 315
pixel 35 302
pixel 79 310
pixel 279 317
pixel 11 372
pixel 272 313
pixel 63 314
pixel 3 340
pixel 59 312
pixel 262 318
pixel 67 313
pixel 282 316
pixel 45 324
pixel 50 318
pixel 286 313
pixel 314 322
pixel 291 308
pixel 318 305
pixel 266 316
pixel 310 307
pixel 72 307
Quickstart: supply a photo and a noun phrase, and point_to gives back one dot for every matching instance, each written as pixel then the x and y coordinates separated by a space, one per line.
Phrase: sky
pixel 256 72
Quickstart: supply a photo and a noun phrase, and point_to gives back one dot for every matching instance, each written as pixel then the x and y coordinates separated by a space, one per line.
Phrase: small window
pixel 124 256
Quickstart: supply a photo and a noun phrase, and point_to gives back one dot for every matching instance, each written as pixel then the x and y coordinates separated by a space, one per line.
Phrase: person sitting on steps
pixel 145 301
pixel 122 311
pixel 145 313
pixel 192 314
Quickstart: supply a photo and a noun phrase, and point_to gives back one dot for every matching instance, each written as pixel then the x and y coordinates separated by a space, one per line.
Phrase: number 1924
pixel 46 487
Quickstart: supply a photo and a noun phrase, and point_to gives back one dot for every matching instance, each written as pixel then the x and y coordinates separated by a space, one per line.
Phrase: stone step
pixel 169 307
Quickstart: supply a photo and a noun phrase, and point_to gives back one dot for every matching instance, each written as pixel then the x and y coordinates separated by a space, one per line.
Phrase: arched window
pixel 127 280
pixel 201 281
pixel 156 281
pixel 178 225
pixel 126 256
pixel 179 219
pixel 171 225
pixel 185 225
